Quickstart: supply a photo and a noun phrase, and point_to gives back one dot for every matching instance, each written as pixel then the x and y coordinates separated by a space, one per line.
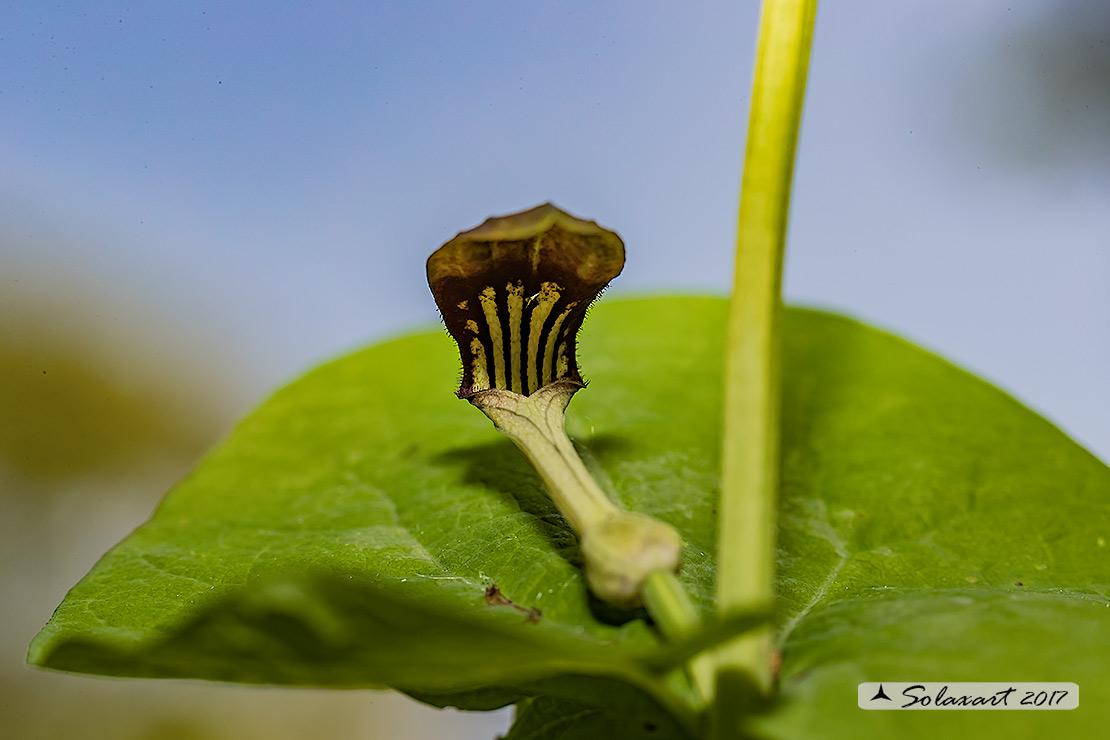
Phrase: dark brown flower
pixel 513 293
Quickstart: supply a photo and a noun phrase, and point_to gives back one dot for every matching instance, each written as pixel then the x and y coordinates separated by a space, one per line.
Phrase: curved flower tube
pixel 513 293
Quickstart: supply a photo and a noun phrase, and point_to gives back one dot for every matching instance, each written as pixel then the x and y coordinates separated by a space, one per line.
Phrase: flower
pixel 513 293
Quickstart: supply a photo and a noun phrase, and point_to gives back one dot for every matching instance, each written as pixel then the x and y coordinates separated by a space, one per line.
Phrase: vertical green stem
pixel 751 414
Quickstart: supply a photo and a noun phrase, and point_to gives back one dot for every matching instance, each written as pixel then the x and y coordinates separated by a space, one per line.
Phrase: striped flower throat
pixel 520 343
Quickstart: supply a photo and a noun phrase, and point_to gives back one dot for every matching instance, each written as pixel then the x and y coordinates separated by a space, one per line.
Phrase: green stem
pixel 677 618
pixel 749 477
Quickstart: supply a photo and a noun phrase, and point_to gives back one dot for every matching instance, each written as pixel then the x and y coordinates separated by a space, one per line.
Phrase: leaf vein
pixel 818 595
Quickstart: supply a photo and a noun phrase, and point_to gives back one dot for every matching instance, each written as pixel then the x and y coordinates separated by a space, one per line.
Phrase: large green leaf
pixel 356 517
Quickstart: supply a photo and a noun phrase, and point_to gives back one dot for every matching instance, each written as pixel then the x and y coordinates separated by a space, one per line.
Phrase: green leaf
pixel 933 528
pixel 357 516
pixel 545 718
pixel 571 711
pixel 324 630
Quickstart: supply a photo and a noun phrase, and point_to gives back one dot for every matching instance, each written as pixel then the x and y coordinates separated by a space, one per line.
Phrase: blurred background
pixel 200 200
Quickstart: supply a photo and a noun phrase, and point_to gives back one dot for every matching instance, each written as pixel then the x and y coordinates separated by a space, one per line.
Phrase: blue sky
pixel 267 179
